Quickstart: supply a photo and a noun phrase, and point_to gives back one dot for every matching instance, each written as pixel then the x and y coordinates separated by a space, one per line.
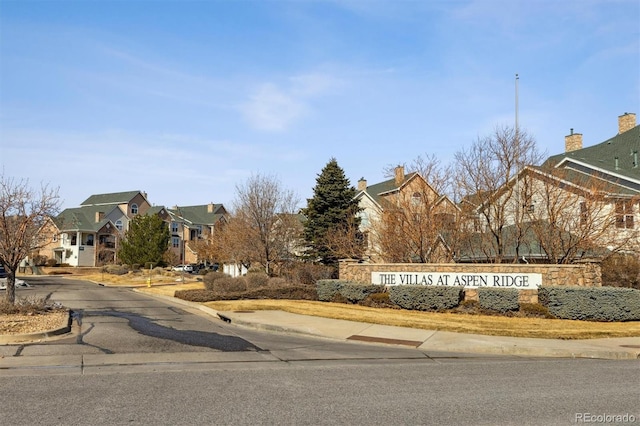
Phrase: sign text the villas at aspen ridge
pixel 471 280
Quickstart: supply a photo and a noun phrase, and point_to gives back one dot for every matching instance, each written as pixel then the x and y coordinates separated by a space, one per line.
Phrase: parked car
pixel 3 272
pixel 183 268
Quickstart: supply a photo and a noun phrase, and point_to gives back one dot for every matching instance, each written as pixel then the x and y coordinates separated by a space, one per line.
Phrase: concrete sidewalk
pixel 431 340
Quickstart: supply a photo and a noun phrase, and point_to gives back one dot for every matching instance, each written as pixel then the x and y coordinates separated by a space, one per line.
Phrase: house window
pixel 89 240
pixel 175 242
pixel 119 224
pixel 624 214
pixel 416 198
pixel 134 209
pixel 174 227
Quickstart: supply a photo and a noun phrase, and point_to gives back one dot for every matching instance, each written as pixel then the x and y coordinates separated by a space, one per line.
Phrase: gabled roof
pixel 113 198
pixel 206 214
pixel 377 190
pixel 80 219
pixel 614 156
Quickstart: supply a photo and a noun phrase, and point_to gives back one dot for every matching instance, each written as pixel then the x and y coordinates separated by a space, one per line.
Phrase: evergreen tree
pixel 146 241
pixel 332 210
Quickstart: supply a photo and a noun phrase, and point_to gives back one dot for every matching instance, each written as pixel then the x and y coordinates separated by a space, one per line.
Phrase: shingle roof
pixel 199 214
pixel 386 186
pixel 113 198
pixel 615 155
pixel 80 219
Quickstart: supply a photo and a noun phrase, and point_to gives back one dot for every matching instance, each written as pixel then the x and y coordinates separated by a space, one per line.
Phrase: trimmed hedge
pixel 352 292
pixel 328 289
pixel 425 298
pixel 498 299
pixel 591 303
pixel 356 293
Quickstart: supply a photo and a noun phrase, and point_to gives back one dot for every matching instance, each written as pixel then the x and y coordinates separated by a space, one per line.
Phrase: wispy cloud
pixel 272 109
pixel 276 108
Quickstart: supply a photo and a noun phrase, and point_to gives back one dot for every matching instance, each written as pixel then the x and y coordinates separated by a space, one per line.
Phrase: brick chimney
pixel 99 216
pixel 399 174
pixel 362 184
pixel 626 121
pixel 210 208
pixel 572 142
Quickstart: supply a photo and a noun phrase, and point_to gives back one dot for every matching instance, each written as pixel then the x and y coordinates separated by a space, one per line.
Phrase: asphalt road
pixel 147 361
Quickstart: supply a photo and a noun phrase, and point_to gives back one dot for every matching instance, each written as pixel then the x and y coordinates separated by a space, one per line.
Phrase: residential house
pixel 88 235
pixel 190 224
pixel 424 214
pixel 570 208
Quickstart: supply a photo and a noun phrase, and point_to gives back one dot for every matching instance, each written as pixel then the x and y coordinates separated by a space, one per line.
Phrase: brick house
pixel 405 192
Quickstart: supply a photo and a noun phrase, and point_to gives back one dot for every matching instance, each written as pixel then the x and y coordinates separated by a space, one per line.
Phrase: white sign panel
pixel 470 280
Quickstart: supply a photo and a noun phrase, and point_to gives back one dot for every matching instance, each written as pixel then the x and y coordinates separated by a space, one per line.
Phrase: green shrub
pixel 426 298
pixel 51 263
pixel 591 303
pixel 327 289
pixel 356 293
pixel 498 299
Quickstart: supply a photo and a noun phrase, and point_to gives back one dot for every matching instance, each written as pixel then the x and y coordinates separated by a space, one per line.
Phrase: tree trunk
pixel 10 295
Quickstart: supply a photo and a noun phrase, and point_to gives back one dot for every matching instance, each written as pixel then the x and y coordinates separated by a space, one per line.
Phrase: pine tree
pixel 332 209
pixel 146 241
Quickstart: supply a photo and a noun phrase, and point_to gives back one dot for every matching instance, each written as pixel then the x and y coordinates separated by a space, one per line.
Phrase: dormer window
pixel 119 224
pixel 134 209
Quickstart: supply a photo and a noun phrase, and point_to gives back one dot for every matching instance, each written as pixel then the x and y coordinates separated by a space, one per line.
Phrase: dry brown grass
pixel 459 323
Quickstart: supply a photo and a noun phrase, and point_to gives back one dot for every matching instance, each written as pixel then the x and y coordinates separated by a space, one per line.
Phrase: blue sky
pixel 187 99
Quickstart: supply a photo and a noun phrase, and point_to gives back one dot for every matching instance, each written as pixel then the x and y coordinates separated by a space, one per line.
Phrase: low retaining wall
pixel 585 275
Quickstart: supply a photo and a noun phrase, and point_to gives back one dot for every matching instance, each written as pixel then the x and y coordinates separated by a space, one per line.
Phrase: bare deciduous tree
pixel 23 212
pixel 417 220
pixel 482 173
pixel 265 208
pixel 414 224
pixel 572 220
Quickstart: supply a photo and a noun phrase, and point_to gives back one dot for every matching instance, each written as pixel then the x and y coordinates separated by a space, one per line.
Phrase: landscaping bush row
pixel 425 298
pixel 592 303
pixel 576 303
pixel 498 299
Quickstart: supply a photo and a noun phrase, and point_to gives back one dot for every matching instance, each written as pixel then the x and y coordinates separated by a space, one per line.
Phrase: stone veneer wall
pixel 585 275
